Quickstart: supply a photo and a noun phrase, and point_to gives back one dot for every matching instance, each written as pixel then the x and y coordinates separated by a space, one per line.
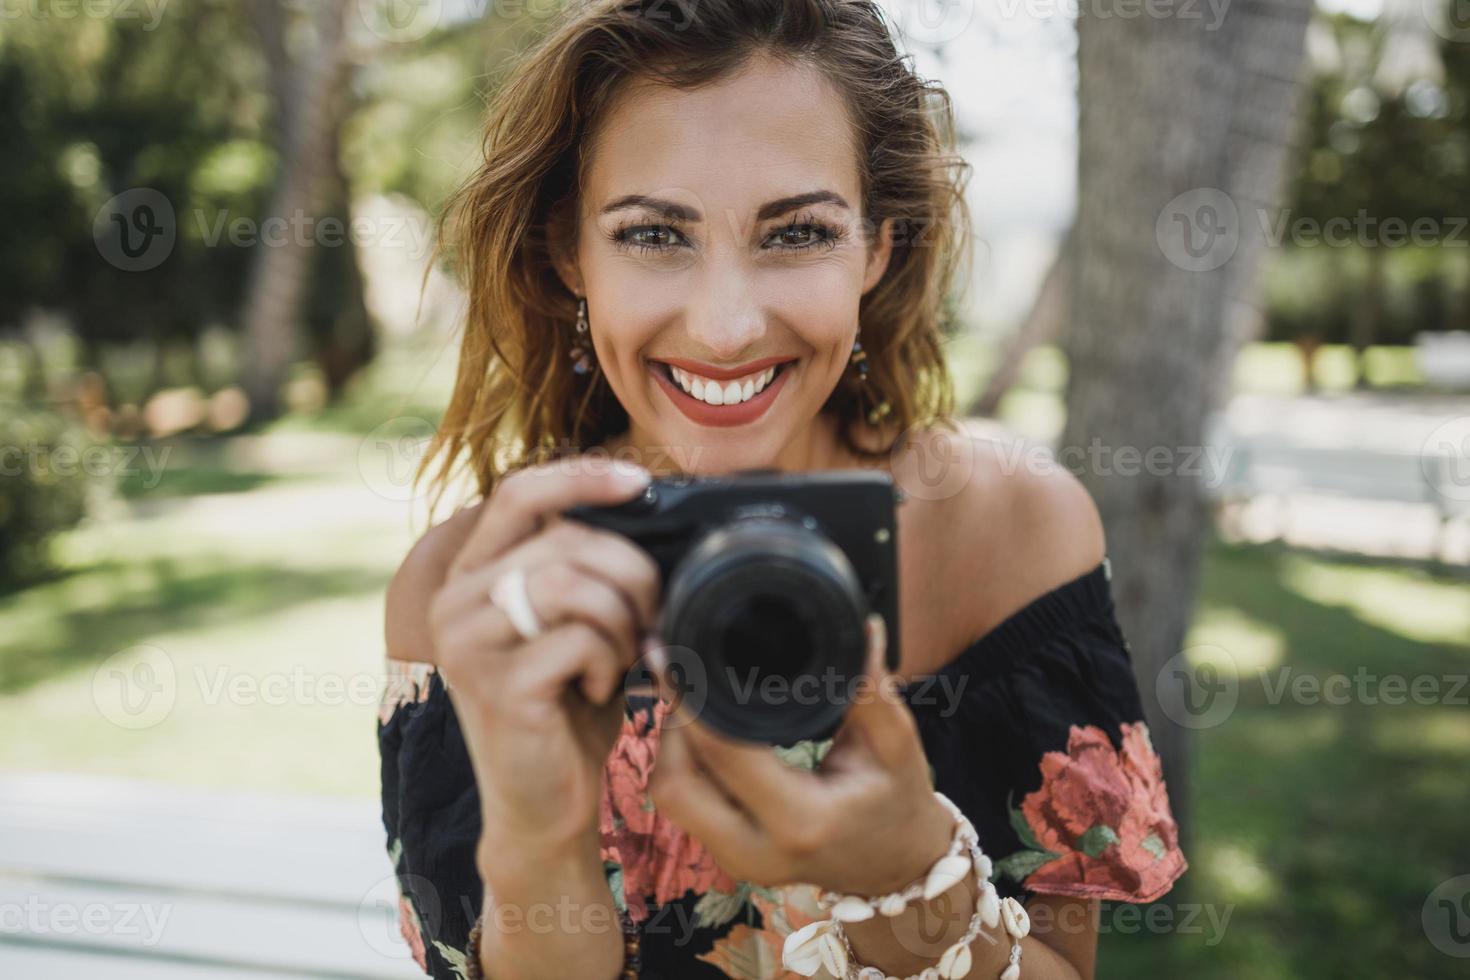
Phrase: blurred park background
pixel 1232 230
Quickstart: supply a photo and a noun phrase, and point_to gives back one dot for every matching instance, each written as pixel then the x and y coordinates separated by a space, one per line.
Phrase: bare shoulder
pixel 1001 525
pixel 423 570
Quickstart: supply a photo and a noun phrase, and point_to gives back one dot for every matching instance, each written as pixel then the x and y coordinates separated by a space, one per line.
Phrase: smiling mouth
pixel 735 391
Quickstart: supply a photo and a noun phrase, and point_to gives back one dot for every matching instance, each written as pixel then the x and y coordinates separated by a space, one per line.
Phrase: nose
pixel 725 319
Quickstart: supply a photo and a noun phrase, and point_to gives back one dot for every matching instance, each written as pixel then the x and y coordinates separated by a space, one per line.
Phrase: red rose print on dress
pixel 408 927
pixel 1100 825
pixel 659 861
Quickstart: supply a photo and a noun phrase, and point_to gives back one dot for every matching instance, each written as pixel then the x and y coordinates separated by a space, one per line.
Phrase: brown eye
pixel 800 236
pixel 797 235
pixel 653 236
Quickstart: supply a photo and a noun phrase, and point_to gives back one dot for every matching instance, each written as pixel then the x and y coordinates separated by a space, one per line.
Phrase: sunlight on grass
pixel 1251 645
pixel 280 702
pixel 1402 600
pixel 1238 875
pixel 267 607
pixel 1416 732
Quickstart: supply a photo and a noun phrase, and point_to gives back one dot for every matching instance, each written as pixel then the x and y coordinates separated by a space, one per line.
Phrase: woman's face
pixel 720 248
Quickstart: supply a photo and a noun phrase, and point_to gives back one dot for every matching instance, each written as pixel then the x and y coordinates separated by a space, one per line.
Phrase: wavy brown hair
pixel 515 397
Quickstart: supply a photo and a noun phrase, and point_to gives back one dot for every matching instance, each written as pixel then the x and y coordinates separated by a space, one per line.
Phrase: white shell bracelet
pixel 824 944
pixel 947 872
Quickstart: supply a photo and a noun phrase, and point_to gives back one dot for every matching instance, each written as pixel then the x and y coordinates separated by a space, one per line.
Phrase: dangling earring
pixel 859 360
pixel 581 352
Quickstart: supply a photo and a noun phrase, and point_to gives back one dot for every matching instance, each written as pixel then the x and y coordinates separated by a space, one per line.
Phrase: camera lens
pixel 773 613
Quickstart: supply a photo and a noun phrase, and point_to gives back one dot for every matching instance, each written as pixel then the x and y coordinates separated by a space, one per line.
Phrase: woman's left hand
pixel 865 822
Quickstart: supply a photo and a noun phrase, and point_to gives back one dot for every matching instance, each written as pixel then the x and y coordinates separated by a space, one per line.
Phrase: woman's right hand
pixel 539 716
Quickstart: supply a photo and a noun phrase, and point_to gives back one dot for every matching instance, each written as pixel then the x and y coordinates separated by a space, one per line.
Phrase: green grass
pixel 1324 825
pixel 279 584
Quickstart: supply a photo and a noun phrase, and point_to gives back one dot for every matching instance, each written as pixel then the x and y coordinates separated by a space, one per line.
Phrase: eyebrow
pixel 675 211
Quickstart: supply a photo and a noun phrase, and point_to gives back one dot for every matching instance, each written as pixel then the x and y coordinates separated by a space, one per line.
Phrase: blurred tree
pixel 96 107
pixel 1042 324
pixel 1183 131
pixel 196 106
pixel 308 88
pixel 1386 137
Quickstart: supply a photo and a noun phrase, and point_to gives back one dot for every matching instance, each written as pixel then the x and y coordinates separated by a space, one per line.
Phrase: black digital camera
pixel 768 578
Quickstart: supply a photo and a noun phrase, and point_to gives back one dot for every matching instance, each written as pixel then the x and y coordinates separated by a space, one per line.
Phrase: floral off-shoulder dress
pixel 1035 731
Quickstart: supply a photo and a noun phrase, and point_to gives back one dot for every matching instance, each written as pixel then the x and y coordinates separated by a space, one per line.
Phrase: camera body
pixel 768 578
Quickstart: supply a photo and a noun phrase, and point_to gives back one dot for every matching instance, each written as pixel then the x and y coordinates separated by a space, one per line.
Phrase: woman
pixel 711 236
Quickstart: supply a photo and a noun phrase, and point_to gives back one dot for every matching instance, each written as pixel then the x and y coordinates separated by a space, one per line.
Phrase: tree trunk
pixel 1042 324
pixel 270 316
pixel 1183 137
pixel 1367 314
pixel 344 339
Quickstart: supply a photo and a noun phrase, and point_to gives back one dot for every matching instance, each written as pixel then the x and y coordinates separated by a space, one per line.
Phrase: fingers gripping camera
pixel 768 579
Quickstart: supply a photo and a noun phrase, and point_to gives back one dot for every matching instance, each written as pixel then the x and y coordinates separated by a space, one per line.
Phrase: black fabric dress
pixel 1035 731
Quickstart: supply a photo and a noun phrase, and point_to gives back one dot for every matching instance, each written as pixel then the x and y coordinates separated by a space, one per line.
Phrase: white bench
pixel 118 879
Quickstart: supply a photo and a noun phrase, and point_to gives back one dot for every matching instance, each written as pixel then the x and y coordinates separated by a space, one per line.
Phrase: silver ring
pixel 509 593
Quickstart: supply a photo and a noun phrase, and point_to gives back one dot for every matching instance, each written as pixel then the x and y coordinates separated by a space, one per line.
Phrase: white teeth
pixel 731 393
